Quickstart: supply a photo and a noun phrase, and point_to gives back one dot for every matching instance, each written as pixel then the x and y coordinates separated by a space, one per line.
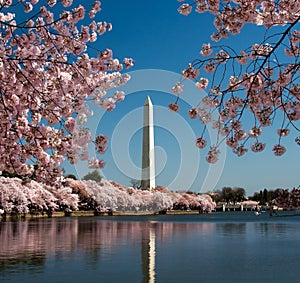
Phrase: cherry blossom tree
pixel 17 197
pixel 109 196
pixel 46 78
pixel 66 199
pixel 40 198
pixel 12 197
pixel 287 199
pixel 260 83
pixel 202 202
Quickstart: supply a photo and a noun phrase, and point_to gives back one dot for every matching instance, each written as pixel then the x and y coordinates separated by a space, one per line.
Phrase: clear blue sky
pixel 162 42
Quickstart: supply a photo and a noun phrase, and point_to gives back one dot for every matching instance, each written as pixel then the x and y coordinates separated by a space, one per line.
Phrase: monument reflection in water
pixel 161 249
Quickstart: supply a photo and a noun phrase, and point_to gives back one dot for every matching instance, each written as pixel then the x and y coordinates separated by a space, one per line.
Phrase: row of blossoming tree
pixel 259 83
pixel 100 197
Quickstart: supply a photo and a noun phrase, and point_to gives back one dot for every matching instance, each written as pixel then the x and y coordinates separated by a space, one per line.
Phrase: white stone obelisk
pixel 148 155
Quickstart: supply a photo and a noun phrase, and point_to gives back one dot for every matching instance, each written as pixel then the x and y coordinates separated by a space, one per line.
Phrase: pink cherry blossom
pixel 202 83
pixel 240 134
pixel 213 155
pixel 185 9
pixel 201 142
pixel 95 163
pixel 173 107
pixel 242 58
pixel 108 104
pixel 70 124
pixel 201 7
pixel 255 132
pixel 240 150
pixel 128 62
pixel 193 113
pixel 279 150
pixel 101 143
pixel 218 124
pixel 205 116
pixel 190 72
pixel 224 131
pixel 206 50
pixel 177 88
pixel 232 142
pixel 283 132
pixel 51 3
pixel 28 7
pixel 119 96
pixel 234 83
pixel 67 3
pixel 236 124
pixel 210 67
pixel 258 146
pixel 295 90
pixel 222 56
pixel 224 114
pixel 209 101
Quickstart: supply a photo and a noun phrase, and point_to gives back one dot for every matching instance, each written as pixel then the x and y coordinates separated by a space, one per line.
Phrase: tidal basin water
pixel 218 247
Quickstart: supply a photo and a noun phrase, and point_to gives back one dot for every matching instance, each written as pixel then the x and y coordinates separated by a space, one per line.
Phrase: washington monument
pixel 148 156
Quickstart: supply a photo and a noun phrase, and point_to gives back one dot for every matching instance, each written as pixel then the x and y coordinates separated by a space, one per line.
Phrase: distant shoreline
pixel 91 213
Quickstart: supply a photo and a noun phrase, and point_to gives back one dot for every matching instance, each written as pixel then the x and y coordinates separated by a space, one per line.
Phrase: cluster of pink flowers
pixel 101 143
pixel 95 163
pixel 206 50
pixel 24 197
pixel 258 83
pixel 190 72
pixel 201 142
pixel 193 113
pixel 258 146
pixel 46 78
pixel 177 88
pixel 110 196
pixel 201 202
pixel 279 149
pixel 174 107
pixel 202 83
pixel 213 155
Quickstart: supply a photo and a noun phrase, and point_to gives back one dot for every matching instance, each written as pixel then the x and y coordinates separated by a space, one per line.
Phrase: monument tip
pixel 148 101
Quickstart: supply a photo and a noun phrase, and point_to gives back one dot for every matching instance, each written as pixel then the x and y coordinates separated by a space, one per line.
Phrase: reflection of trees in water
pixel 268 229
pixel 29 243
pixel 232 229
pixel 31 260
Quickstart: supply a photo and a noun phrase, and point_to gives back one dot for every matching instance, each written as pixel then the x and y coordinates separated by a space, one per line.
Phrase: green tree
pixel 238 194
pixel 71 176
pixel 227 194
pixel 94 176
pixel 255 197
pixel 234 195
pixel 216 195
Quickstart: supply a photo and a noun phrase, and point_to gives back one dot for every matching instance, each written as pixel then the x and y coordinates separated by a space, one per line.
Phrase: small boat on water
pixel 259 212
